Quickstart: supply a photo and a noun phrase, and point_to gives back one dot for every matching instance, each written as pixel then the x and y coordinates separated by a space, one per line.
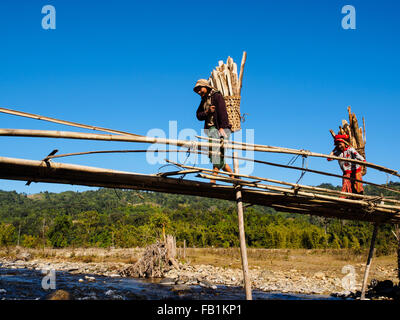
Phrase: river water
pixel 26 284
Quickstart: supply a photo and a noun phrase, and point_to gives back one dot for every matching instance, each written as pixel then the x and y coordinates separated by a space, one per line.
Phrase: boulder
pixel 59 295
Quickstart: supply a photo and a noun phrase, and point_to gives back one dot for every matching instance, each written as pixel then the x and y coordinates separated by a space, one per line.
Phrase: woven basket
pixel 233 109
pixel 362 152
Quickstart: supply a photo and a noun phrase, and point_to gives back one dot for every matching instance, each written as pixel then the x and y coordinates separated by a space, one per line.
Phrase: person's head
pixel 202 87
pixel 202 91
pixel 341 141
pixel 341 145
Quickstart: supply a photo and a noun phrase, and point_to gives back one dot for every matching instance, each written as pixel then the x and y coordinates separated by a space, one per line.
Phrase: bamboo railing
pixel 290 197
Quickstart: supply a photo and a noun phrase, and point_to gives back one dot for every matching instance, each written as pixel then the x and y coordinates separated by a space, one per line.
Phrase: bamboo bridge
pixel 281 195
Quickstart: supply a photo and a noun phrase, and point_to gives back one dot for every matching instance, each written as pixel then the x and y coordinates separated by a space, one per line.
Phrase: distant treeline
pixel 124 218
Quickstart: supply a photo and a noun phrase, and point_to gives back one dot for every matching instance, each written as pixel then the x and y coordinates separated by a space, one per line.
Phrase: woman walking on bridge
pixel 350 170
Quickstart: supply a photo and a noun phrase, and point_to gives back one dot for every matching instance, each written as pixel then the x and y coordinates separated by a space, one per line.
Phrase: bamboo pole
pixel 68 123
pixel 196 169
pixel 294 185
pixel 242 239
pixel 51 172
pixel 300 193
pixel 144 139
pixel 370 255
pixel 244 57
pixel 250 146
pixel 184 143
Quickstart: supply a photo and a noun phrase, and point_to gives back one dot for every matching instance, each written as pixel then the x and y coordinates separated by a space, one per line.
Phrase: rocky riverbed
pixel 206 276
pixel 296 274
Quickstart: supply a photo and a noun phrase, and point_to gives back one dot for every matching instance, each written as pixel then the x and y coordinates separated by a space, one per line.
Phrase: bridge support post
pixel 397 235
pixel 370 255
pixel 243 250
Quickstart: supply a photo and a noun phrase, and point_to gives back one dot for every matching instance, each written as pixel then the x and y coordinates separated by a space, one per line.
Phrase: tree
pixel 160 221
pixel 7 234
pixel 59 233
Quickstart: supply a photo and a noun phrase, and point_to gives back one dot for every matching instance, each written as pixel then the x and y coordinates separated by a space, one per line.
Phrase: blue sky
pixel 131 65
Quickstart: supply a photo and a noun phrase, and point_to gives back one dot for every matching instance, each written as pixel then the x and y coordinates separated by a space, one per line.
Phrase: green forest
pixel 125 218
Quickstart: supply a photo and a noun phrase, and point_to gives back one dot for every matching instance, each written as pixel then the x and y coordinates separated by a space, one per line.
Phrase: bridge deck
pixel 52 172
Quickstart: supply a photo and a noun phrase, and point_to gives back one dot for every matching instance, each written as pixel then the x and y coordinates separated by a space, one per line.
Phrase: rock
pixel 180 287
pixel 206 284
pixel 60 295
pixel 109 292
pixel 167 281
pixel 90 279
pixel 319 275
pixel 2 291
pixel 383 288
pixel 114 275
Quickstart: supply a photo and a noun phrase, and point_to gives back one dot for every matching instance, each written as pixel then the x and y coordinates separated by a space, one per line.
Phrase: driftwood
pixel 157 259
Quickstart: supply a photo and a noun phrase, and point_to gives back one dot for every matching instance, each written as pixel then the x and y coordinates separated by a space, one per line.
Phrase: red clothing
pixel 350 170
pixel 351 186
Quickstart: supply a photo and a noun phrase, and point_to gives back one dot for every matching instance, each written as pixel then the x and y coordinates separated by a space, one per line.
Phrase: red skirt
pixel 350 185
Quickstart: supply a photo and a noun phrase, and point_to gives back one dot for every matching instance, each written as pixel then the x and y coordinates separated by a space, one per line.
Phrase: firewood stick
pixel 242 70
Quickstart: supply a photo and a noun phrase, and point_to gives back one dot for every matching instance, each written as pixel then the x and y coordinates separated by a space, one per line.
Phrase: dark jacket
pixel 220 115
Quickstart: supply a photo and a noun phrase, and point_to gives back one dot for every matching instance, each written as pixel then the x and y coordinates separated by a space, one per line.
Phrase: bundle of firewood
pixel 357 136
pixel 226 80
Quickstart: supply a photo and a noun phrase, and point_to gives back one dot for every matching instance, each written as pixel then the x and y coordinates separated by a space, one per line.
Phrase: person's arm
pixel 356 155
pixel 200 113
pixel 334 152
pixel 222 113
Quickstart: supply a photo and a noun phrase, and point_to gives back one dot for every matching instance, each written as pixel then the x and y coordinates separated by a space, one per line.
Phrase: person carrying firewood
pixel 212 110
pixel 350 169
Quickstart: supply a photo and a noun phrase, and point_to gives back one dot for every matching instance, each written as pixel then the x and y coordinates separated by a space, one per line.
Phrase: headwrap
pixel 342 138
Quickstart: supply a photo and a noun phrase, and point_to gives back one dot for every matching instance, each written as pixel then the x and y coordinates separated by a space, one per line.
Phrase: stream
pixel 26 284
